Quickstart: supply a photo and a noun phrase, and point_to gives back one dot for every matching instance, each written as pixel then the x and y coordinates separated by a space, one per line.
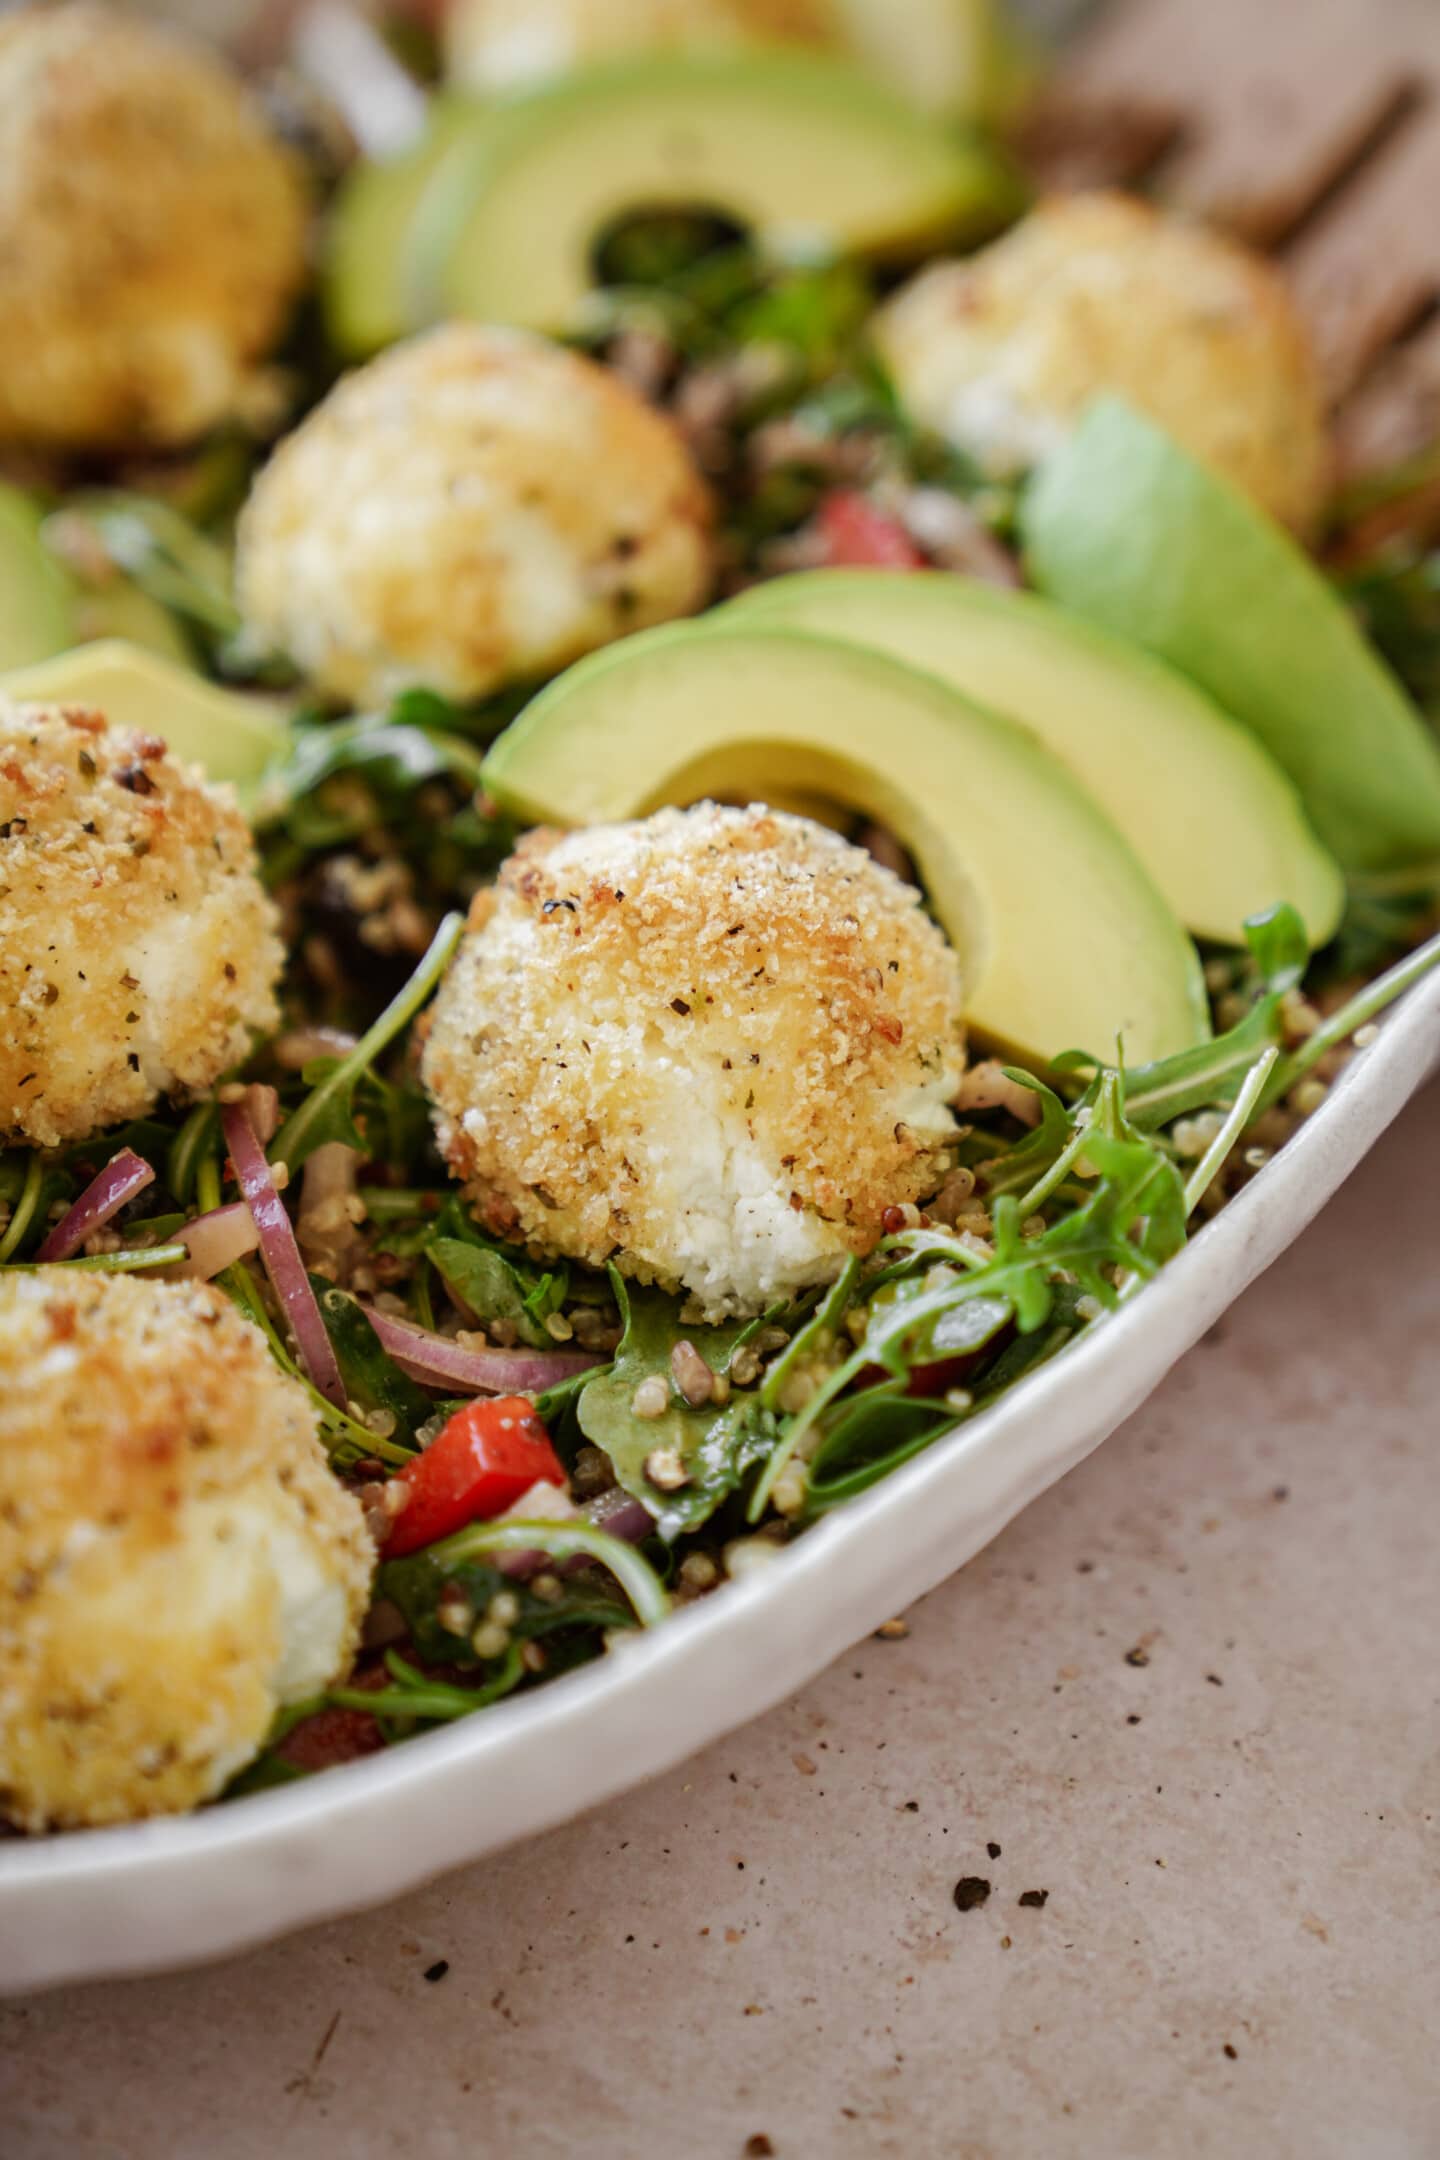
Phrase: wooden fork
pixel 1310 127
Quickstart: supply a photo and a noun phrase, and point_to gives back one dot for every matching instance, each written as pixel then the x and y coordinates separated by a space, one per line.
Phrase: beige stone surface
pixel 1191 1696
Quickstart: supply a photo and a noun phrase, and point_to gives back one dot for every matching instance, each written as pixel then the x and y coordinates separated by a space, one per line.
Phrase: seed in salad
pixel 746 1556
pixel 788 1494
pixel 490 1640
pixel 455 1613
pixel 651 1399
pixel 666 1469
pixel 693 1376
pixel 744 1368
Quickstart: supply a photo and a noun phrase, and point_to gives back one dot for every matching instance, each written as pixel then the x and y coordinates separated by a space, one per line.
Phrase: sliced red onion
pixel 615 1512
pixel 215 1241
pixel 437 1361
pixel 621 1515
pixel 296 1049
pixel 280 1252
pixel 123 1176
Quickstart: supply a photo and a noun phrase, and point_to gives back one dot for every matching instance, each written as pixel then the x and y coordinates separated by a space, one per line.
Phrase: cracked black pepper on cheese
pixel 138 949
pixel 714 1046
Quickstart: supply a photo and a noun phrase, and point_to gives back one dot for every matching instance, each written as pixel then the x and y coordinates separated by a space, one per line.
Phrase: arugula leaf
pixel 877 1431
pixel 1211 1075
pixel 327 1112
pixel 1278 946
pixel 1031 1157
pixel 587 1604
pixel 394 757
pixel 1131 1224
pixel 482 1279
pixel 718 1447
pixel 493 1279
pixel 372 1378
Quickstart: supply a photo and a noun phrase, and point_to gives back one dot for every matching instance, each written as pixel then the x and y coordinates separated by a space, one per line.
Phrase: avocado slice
pixel 231 735
pixel 364 255
pixel 37 602
pixel 1063 940
pixel 123 610
pixel 803 149
pixel 1123 526
pixel 1166 765
pixel 950 56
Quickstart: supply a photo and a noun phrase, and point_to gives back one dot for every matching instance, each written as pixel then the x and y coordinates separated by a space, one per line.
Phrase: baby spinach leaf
pixel 716 1446
pixel 416 1585
pixel 480 1278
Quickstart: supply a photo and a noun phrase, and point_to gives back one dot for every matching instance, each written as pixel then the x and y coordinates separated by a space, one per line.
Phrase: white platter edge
pixel 156 1895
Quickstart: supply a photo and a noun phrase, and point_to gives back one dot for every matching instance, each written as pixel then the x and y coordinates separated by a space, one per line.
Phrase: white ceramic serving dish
pixel 170 1892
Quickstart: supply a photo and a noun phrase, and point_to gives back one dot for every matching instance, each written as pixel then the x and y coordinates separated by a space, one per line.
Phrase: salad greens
pixel 375 833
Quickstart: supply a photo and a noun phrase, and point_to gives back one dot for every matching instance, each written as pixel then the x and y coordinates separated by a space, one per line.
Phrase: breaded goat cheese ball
pixel 1100 293
pixel 511 44
pixel 177 1562
pixel 138 948
pixel 476 507
pixel 714 1046
pixel 152 233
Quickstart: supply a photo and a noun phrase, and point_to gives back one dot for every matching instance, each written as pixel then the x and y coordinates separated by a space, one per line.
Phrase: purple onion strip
pixel 438 1361
pixel 123 1176
pixel 281 1254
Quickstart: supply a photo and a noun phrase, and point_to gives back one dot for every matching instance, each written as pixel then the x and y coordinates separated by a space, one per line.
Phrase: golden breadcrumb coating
pixel 138 948
pixel 176 1559
pixel 476 507
pixel 714 1046
pixel 1096 293
pixel 152 233
pixel 510 44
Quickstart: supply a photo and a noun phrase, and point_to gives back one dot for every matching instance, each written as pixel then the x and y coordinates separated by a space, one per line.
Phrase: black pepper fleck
pixel 993 1850
pixel 1138 1656
pixel 437 1971
pixel 1034 1898
pixel 970 1891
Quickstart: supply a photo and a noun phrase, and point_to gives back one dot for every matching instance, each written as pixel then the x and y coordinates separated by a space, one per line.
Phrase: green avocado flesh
pixel 804 151
pixel 1064 942
pixel 363 273
pixel 1124 527
pixel 229 735
pixel 954 56
pixel 1164 764
pixel 36 600
pixel 122 610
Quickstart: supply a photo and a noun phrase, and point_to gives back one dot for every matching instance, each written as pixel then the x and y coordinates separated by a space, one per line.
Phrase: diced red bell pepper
pixel 857 536
pixel 476 1466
